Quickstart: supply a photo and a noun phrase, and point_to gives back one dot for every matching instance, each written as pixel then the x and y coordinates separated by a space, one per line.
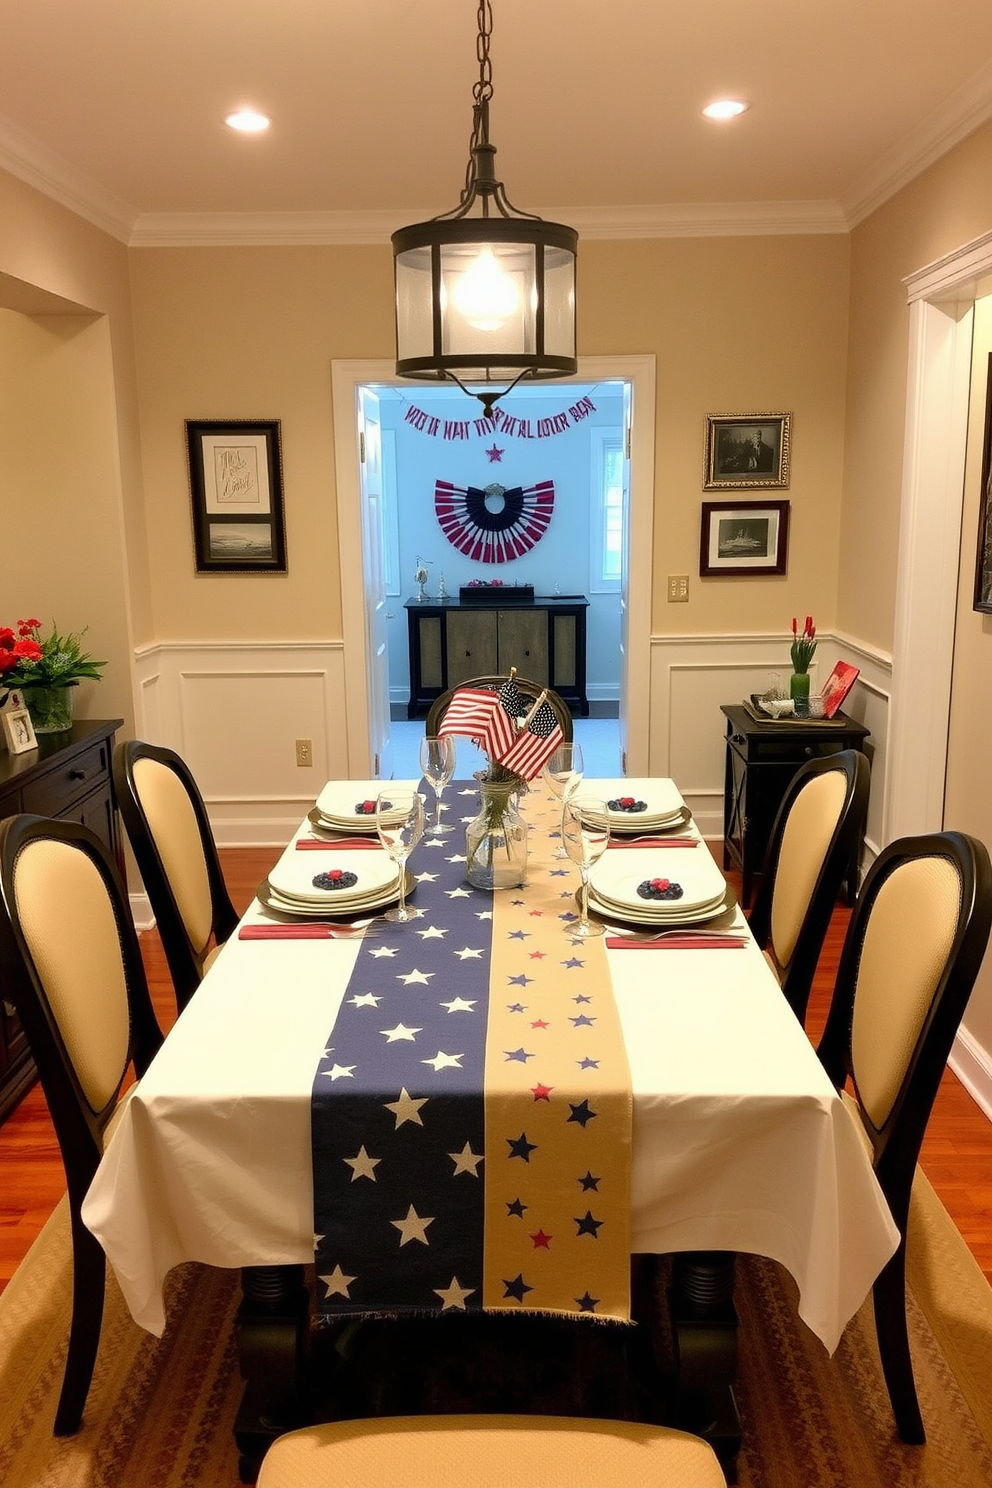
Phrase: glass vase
pixel 50 708
pixel 496 841
pixel 799 693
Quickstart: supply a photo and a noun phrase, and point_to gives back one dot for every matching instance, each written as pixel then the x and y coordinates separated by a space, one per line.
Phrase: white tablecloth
pixel 740 1141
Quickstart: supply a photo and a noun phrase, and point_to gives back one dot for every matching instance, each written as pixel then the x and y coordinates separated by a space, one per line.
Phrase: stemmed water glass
pixel 399 821
pixel 585 827
pixel 563 773
pixel 437 761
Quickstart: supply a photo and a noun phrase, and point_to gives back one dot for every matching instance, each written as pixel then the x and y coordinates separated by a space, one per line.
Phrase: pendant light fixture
pixel 488 297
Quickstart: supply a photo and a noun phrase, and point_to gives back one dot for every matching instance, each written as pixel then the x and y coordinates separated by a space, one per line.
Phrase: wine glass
pixel 437 761
pixel 563 773
pixel 585 828
pixel 399 821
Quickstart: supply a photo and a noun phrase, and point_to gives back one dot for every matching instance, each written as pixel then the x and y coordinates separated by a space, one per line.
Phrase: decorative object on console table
pixel 747 449
pixel 803 651
pixel 44 669
pixel 837 686
pixel 68 775
pixel 483 592
pixel 762 756
pixel 18 730
pixel 235 481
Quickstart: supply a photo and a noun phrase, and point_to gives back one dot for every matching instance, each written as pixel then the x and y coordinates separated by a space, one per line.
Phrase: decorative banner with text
pixel 501 422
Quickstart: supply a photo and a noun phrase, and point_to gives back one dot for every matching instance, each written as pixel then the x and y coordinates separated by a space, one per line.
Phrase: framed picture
pixel 18 730
pixel 747 538
pixel 747 449
pixel 983 564
pixel 235 481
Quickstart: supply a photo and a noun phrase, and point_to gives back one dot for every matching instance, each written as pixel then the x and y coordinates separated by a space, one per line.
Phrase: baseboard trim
pixel 972 1065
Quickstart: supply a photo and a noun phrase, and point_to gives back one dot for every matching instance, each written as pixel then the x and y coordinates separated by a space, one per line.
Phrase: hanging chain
pixel 482 91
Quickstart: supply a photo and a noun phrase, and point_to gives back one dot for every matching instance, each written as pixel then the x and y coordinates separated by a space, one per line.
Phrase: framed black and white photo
pixel 983 562
pixel 18 730
pixel 744 538
pixel 747 449
pixel 235 480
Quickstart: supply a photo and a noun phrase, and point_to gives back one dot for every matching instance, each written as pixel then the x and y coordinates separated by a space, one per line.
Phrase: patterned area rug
pixel 161 1412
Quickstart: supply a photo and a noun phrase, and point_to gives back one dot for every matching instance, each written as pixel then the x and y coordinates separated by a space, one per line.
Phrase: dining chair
pixel 913 948
pixel 489 1452
pixel 167 826
pixel 70 964
pixel 814 842
pixel 529 689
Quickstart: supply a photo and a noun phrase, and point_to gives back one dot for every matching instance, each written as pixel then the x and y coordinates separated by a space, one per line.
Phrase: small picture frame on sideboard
pixel 18 730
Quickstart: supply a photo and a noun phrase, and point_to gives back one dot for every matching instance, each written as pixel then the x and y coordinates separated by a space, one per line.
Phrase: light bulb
pixel 485 295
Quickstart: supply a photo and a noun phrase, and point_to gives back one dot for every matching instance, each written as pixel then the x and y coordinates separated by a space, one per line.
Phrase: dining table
pixel 738 1140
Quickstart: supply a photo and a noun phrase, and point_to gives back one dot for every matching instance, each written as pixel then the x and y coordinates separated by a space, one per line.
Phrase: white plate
pixel 293 875
pixel 616 876
pixel 630 916
pixel 663 803
pixel 338 799
pixel 268 897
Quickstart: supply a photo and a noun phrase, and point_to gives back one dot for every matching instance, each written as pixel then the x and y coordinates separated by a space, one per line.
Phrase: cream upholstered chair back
pixel 904 954
pixel 71 965
pixel 489 1452
pixel 812 821
pixel 814 843
pixel 172 822
pixel 168 828
pixel 70 932
pixel 911 954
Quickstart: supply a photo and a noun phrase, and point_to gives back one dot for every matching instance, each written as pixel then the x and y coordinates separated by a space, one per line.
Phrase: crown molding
pixel 692 220
pixel 957 117
pixel 24 157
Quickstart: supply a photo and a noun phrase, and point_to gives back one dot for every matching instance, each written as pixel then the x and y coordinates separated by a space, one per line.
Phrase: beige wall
pixel 753 324
pixel 946 207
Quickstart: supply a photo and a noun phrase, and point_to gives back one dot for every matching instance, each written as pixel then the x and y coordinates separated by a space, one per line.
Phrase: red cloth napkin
pixel 675 943
pixel 292 932
pixel 343 844
pixel 655 842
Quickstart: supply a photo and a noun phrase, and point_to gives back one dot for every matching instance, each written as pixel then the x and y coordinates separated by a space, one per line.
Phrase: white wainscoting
pixel 234 712
pixel 691 676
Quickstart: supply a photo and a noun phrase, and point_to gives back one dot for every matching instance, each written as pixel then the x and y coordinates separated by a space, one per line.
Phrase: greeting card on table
pixel 837 686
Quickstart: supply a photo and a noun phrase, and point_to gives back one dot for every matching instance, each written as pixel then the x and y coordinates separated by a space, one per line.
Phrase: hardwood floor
pixel 957 1151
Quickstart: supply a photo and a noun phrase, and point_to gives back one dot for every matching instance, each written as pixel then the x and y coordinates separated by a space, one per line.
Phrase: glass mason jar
pixel 50 708
pixel 496 841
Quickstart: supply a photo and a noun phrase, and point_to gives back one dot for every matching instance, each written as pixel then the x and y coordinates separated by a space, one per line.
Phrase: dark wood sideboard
pixel 451 642
pixel 761 759
pixel 67 776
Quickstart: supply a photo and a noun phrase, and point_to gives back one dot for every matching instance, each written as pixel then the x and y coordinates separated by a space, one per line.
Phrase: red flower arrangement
pixel 17 649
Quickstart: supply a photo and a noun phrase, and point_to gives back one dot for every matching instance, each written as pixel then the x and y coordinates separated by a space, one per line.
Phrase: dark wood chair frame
pixel 185 961
pixel 841 853
pixel 78 1128
pixel 531 689
pixel 896 1147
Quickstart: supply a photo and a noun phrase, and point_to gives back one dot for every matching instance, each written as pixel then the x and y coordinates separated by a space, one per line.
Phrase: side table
pixel 761 759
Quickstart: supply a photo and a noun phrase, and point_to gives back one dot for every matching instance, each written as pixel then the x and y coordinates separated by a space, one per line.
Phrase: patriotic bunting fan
pixel 494 523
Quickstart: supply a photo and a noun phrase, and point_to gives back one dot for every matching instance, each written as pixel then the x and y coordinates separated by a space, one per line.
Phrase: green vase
pixel 50 708
pixel 799 693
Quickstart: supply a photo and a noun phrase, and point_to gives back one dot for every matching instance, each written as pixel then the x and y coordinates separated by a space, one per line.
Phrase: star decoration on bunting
pixel 494 454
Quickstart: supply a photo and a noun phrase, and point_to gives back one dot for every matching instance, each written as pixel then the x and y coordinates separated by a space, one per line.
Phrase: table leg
pixel 704 1329
pixel 273 1329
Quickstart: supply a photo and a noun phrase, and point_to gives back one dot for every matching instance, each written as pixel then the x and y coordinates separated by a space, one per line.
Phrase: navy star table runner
pixel 471 1113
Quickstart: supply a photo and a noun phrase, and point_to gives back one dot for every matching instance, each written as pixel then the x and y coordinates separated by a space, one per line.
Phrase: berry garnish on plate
pixel 367 808
pixel 627 803
pixel 335 878
pixel 659 889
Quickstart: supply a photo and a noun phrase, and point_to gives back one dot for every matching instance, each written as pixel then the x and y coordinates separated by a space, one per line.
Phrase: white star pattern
pixel 425 877
pixel 459 1005
pixel 385 951
pixel 433 932
pixel 466 1161
pixel 444 1061
pixel 365 999
pixel 412 1228
pixel 459 893
pixel 392 1035
pixel 341 1071
pixel 337 1283
pixel 465 954
pixel 406 1108
pixel 362 1166
pixel 454 1294
pixel 423 977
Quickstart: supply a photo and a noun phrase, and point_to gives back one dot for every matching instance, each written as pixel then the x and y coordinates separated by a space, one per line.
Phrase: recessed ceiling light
pixel 247 121
pixel 725 108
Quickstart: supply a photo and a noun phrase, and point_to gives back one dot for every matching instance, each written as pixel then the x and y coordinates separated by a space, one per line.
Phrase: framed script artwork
pixel 235 481
pixel 744 538
pixel 747 449
pixel 983 564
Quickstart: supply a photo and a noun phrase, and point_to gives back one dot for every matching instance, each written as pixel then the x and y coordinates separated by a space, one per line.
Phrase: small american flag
pixel 476 713
pixel 513 699
pixel 534 745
